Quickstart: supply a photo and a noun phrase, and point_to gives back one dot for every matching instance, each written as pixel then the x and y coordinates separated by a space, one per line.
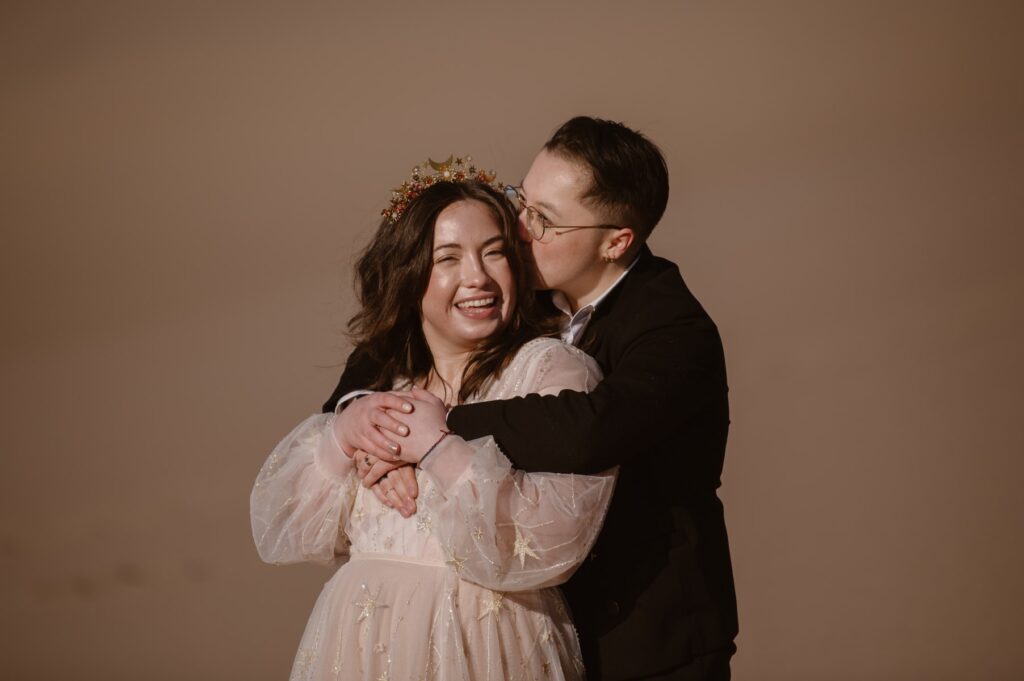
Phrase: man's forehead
pixel 554 178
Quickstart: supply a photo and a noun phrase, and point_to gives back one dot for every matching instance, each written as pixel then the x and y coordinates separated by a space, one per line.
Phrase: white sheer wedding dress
pixel 462 590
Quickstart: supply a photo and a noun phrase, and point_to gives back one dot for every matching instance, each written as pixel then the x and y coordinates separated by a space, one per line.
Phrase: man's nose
pixel 522 231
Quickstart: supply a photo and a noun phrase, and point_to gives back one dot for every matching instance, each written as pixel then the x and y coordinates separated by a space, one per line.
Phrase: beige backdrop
pixel 184 186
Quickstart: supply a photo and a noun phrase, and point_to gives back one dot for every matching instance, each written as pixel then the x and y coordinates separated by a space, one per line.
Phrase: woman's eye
pixel 497 252
pixel 444 259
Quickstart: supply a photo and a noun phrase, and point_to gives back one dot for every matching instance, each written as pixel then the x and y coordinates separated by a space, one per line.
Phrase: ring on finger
pixel 366 461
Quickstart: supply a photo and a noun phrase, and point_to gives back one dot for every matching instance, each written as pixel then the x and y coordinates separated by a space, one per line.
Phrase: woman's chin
pixel 479 330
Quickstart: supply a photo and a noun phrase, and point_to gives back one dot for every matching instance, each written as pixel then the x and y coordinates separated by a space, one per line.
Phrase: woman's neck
pixel 446 378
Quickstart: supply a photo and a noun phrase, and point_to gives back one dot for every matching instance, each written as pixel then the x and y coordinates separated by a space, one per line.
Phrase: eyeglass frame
pixel 515 195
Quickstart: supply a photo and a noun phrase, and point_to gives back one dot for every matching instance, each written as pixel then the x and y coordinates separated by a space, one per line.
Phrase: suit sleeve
pixel 360 372
pixel 663 378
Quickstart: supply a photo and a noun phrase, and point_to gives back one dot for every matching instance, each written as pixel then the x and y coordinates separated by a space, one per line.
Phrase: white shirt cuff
pixel 350 396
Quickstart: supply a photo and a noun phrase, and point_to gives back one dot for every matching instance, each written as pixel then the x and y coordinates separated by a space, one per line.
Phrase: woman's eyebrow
pixel 485 244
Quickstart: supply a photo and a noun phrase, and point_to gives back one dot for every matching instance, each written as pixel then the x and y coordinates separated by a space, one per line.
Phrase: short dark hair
pixel 630 178
pixel 392 275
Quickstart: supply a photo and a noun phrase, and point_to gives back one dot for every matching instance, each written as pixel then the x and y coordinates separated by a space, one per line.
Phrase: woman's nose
pixel 473 272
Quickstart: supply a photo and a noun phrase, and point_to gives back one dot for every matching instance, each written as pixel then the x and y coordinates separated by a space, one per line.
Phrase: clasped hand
pixel 387 434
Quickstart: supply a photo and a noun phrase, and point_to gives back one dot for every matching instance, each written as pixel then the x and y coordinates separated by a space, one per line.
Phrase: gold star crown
pixel 455 169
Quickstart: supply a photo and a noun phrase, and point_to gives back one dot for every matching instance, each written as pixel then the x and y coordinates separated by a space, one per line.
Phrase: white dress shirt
pixel 573 325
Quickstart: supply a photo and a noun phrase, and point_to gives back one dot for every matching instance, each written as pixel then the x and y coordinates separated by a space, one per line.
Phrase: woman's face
pixel 471 293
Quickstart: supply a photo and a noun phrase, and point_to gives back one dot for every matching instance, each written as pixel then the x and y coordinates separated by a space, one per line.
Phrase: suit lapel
pixel 613 311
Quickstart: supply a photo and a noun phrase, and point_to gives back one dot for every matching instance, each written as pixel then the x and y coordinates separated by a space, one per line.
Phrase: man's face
pixel 569 261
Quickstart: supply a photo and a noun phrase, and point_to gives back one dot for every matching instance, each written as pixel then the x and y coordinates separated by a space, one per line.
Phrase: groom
pixel 655 599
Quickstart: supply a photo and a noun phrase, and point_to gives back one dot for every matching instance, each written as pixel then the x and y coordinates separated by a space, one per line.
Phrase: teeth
pixel 482 302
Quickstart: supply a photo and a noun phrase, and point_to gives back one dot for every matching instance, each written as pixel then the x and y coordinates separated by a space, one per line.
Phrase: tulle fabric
pixel 459 591
pixel 513 531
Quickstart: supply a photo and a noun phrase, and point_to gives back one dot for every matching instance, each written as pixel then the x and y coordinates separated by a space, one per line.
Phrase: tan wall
pixel 183 188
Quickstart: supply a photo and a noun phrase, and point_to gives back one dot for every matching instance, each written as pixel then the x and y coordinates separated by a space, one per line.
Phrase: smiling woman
pixel 461 589
pixel 471 293
pixel 454 246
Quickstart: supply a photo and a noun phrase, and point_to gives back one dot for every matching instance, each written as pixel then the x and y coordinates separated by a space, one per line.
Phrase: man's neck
pixel 596 286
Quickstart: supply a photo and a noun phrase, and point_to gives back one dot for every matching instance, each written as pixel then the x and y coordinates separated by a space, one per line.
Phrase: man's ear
pixel 618 244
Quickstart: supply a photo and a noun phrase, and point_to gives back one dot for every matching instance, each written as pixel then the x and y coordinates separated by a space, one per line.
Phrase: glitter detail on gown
pixel 464 589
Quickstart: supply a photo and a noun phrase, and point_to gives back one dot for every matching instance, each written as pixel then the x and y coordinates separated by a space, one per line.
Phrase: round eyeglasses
pixel 537 224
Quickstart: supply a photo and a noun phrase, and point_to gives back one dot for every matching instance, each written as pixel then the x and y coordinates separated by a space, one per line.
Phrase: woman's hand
pixel 394 484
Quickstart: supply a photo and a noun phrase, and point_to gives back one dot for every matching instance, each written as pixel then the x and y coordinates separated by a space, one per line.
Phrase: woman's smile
pixel 470 294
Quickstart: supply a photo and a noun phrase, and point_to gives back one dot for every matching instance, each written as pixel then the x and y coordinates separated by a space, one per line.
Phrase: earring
pixel 607 258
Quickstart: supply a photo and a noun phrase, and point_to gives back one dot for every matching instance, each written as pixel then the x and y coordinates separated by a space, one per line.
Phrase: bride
pixel 463 590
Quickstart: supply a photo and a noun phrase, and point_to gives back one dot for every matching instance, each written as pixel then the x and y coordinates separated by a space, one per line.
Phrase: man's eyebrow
pixel 547 208
pixel 448 246
pixel 540 204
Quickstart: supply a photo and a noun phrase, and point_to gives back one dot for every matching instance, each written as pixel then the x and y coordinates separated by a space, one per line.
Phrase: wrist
pixel 338 435
pixel 450 462
pixel 444 433
pixel 325 455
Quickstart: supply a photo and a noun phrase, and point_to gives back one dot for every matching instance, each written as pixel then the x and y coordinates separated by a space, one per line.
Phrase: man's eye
pixel 498 252
pixel 445 258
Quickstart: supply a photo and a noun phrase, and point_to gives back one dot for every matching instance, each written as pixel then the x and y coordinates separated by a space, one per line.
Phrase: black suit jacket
pixel 657 590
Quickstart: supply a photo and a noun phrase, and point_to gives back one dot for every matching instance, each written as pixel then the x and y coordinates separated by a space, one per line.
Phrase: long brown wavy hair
pixel 391 278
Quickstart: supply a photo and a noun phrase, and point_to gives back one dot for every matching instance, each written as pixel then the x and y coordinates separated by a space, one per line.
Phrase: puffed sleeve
pixel 303 495
pixel 506 529
pixel 509 530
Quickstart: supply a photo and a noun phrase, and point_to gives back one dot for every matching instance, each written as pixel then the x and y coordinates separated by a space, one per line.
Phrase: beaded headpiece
pixel 454 169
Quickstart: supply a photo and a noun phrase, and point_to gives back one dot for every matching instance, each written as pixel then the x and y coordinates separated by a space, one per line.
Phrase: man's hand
pixel 426 424
pixel 366 424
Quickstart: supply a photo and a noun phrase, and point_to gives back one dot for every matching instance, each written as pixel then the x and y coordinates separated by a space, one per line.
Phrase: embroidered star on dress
pixel 455 560
pixel 492 604
pixel 370 605
pixel 522 548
